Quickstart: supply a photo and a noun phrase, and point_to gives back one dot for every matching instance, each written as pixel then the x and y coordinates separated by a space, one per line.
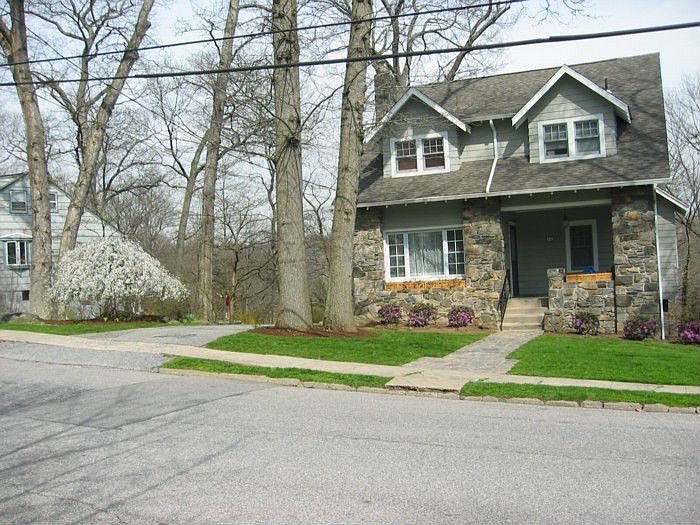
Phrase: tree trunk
pixel 339 313
pixel 14 44
pixel 294 301
pixel 94 137
pixel 206 251
pixel 185 211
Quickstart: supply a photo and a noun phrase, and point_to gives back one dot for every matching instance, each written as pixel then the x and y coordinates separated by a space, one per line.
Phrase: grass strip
pixel 389 347
pixel 303 374
pixel 605 358
pixel 574 393
pixel 77 328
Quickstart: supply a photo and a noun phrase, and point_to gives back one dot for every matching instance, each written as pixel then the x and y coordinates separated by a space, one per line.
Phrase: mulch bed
pixel 314 332
pixel 98 321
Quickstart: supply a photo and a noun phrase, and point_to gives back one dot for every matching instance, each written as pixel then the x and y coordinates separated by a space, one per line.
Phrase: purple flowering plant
pixel 585 323
pixel 390 314
pixel 689 332
pixel 460 316
pixel 421 314
pixel 639 329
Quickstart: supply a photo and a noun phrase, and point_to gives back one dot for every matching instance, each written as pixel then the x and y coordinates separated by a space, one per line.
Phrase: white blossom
pixel 112 273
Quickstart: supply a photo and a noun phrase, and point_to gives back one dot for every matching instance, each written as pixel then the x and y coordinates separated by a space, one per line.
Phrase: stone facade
pixel 568 298
pixel 634 247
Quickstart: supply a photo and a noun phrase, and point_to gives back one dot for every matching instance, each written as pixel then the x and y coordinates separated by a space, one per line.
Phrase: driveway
pixel 191 335
pixel 85 445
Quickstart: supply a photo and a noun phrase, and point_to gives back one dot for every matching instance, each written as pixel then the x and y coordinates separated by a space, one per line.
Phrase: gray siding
pixel 668 248
pixel 437 215
pixel 478 145
pixel 568 99
pixel 537 253
pixel 14 280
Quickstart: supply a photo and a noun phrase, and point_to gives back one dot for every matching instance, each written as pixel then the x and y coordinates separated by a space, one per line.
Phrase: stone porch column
pixel 368 257
pixel 634 248
pixel 484 249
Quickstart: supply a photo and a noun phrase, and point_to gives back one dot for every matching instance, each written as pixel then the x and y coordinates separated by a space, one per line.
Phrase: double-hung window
pixel 581 246
pixel 18 201
pixel 425 254
pixel 571 139
pixel 18 253
pixel 53 201
pixel 420 155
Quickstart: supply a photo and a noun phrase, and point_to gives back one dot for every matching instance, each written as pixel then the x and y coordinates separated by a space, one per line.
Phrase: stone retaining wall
pixel 568 298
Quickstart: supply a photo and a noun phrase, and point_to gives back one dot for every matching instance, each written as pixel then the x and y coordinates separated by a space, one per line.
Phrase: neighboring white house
pixel 16 236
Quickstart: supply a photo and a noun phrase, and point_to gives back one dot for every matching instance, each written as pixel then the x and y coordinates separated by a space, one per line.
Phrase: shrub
pixel 689 332
pixel 460 316
pixel 585 323
pixel 114 275
pixel 421 314
pixel 390 314
pixel 639 329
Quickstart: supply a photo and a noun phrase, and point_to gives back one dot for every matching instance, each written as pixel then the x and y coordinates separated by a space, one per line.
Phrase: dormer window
pixel 419 155
pixel 18 202
pixel 572 139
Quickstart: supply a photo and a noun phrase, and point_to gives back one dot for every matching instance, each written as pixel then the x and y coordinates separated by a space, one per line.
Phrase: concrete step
pixel 526 318
pixel 521 326
pixel 525 309
pixel 528 301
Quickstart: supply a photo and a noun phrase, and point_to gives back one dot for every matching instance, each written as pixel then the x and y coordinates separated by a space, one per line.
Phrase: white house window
pixel 420 155
pixel 406 155
pixel 433 153
pixel 18 253
pixel 581 246
pixel 53 201
pixel 572 139
pixel 556 142
pixel 18 202
pixel 425 254
pixel 587 136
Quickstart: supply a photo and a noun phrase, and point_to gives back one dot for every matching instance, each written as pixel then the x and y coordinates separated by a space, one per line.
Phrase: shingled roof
pixel 642 149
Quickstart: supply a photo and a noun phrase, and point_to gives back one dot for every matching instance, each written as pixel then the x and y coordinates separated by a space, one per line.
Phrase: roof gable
pixel 621 108
pixel 411 93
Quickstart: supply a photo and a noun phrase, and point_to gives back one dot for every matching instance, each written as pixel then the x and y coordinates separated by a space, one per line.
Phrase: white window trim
pixel 419 153
pixel 594 233
pixel 55 195
pixel 407 265
pixel 570 134
pixel 16 243
pixel 26 201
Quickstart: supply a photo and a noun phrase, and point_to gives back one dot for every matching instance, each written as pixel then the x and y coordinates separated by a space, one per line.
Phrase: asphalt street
pixel 85 444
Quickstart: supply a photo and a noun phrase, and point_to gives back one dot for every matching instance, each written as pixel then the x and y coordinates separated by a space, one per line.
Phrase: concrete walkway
pixel 487 355
pixel 190 335
pixel 407 376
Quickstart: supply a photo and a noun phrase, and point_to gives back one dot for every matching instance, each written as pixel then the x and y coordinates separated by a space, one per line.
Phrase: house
pixel 527 196
pixel 16 236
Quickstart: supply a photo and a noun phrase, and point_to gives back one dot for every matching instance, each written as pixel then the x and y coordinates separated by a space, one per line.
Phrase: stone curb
pixel 292 382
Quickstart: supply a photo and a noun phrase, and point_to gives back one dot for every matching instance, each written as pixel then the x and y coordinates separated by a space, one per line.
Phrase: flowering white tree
pixel 113 274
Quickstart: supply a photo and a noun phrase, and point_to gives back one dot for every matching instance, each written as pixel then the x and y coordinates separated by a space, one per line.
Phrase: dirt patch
pixel 98 321
pixel 314 332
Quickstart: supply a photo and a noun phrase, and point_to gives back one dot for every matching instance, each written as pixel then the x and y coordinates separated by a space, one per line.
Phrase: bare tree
pixel 295 303
pixel 92 25
pixel 13 40
pixel 684 151
pixel 339 313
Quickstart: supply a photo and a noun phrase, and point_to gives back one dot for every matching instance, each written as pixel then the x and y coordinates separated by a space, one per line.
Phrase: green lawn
pixel 389 347
pixel 608 359
pixel 572 393
pixel 76 328
pixel 222 367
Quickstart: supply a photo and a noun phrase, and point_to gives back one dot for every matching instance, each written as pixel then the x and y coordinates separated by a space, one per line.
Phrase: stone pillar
pixel 368 257
pixel 484 249
pixel 634 247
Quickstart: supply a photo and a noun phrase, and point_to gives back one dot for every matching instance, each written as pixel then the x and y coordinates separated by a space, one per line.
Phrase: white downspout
pixel 658 267
pixel 495 156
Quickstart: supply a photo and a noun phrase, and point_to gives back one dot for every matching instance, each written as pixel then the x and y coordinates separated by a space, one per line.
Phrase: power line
pixel 335 61
pixel 267 33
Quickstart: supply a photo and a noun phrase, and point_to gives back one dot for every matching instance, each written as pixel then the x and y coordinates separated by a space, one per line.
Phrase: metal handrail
pixel 503 299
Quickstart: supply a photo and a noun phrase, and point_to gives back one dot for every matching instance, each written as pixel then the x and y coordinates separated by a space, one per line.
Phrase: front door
pixel 513 243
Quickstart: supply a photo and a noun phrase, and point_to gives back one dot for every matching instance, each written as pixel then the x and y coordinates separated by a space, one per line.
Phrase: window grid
pixel 406 155
pixel 452 253
pixel 587 136
pixel 433 153
pixel 397 255
pixel 556 142
pixel 18 202
pixel 53 201
pixel 455 252
pixel 18 253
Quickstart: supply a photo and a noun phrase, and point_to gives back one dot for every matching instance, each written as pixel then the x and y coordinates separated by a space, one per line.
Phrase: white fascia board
pixel 414 92
pixel 673 200
pixel 621 108
pixel 16 236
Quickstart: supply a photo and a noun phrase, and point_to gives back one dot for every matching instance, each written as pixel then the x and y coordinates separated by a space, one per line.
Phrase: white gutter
pixel 495 156
pixel 658 267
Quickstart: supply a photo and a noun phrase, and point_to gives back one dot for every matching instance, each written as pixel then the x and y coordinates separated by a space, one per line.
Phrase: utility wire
pixel 266 33
pixel 425 52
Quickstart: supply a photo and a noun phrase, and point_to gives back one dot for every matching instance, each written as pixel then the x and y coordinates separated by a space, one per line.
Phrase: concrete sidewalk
pixel 408 376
